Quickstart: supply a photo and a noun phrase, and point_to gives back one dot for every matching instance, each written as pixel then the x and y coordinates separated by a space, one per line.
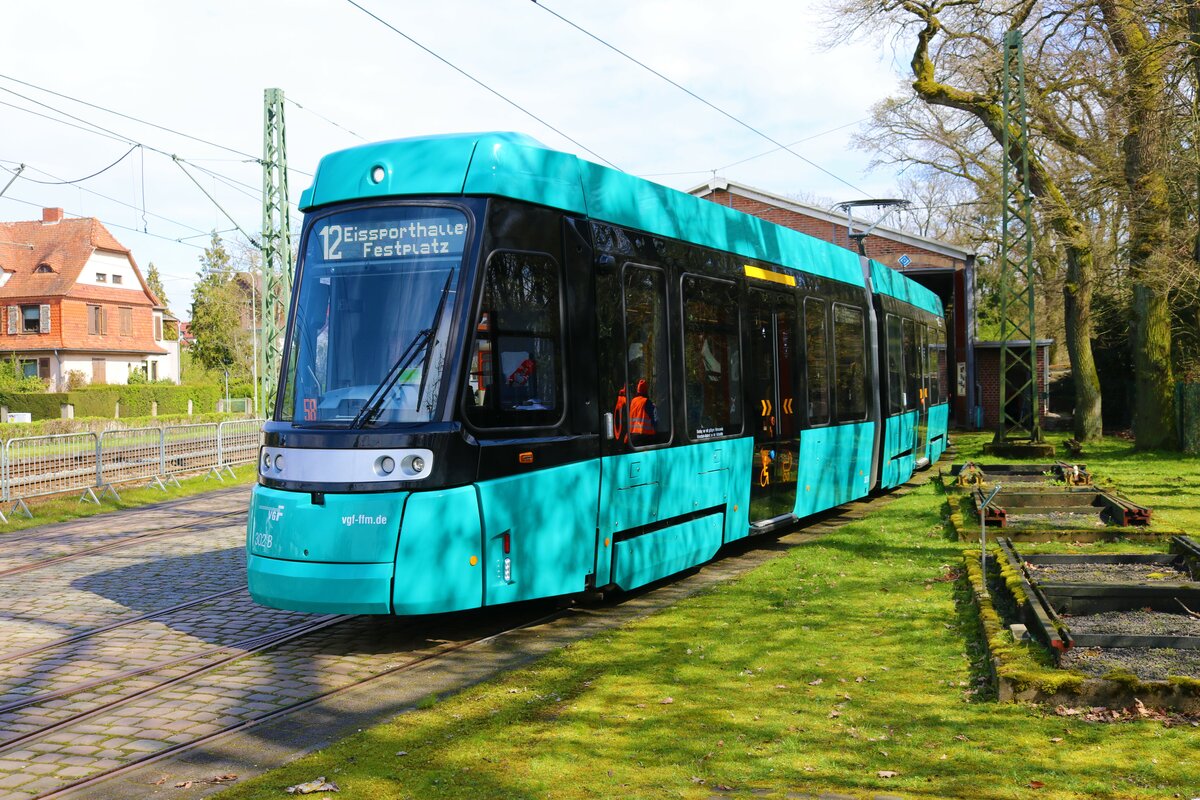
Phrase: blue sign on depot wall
pixel 904 261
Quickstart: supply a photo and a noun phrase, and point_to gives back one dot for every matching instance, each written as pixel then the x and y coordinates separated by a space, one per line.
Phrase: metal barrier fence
pixel 36 466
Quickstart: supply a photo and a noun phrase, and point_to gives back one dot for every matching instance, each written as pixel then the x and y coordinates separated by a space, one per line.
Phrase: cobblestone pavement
pixel 70 711
pixel 55 541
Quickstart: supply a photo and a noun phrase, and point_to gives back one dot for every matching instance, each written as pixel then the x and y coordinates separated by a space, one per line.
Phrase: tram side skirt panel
pixel 899 436
pixel 549 520
pixel 939 424
pixel 696 484
pixel 439 556
pixel 835 466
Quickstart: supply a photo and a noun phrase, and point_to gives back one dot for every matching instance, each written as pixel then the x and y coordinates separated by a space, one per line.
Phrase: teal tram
pixel 510 373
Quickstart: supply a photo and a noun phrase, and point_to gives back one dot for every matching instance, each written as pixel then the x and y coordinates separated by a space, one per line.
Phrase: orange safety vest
pixel 641 419
pixel 619 415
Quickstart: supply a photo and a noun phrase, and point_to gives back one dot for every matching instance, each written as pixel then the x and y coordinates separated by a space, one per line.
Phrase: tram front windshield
pixel 372 318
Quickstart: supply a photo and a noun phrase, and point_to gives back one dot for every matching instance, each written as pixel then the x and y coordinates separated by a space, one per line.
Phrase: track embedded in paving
pixel 46 547
pixel 196 663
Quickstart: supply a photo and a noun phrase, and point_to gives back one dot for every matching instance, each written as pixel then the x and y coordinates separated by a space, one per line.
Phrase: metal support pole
pixel 983 532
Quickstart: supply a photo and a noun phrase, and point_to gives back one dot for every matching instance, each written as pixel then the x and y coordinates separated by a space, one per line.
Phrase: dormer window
pixel 43 267
pixel 101 277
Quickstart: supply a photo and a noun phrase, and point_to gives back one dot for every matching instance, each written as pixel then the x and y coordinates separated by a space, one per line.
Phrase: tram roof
pixel 517 166
pixel 885 280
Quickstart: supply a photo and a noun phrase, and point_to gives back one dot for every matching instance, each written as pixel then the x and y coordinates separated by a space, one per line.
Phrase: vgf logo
pixel 275 514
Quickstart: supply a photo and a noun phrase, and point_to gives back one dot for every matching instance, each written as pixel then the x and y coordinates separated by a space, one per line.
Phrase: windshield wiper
pixel 374 403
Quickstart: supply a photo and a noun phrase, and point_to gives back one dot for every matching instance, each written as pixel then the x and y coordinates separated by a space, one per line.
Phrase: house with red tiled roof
pixel 73 300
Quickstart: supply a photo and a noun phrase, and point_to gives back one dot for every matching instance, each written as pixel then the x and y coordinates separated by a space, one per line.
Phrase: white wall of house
pixel 168 365
pixel 115 268
pixel 117 366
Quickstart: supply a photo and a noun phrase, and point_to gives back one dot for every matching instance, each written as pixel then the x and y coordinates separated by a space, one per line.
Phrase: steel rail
pixel 182 747
pixel 267 641
pixel 76 637
pixel 162 533
pixel 246 646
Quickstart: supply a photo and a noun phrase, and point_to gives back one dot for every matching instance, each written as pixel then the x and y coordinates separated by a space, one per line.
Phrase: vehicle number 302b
pixel 263 540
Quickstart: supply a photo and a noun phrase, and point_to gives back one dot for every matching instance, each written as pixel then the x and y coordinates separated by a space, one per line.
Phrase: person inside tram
pixel 643 416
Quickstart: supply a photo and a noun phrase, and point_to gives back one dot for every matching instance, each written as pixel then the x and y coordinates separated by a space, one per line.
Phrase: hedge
pixel 41 405
pixel 101 401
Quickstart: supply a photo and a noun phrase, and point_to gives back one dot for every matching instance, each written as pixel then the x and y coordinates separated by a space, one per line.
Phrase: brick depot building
pixel 946 270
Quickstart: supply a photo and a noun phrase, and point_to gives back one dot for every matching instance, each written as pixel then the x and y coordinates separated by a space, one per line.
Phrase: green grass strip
pixel 846 658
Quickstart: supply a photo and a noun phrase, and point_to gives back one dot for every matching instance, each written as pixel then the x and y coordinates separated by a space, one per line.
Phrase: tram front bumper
pixel 321 588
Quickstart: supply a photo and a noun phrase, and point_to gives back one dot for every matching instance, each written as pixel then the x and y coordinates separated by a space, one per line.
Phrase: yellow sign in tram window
pixel 766 275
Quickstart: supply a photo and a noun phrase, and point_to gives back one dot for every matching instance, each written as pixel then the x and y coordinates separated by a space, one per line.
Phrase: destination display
pixel 431 236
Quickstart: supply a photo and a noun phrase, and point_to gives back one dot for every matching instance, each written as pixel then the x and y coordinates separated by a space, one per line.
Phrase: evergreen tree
pixel 221 314
pixel 154 281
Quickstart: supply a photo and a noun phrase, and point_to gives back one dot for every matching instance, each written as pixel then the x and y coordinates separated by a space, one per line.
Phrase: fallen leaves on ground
pixel 318 785
pixel 216 780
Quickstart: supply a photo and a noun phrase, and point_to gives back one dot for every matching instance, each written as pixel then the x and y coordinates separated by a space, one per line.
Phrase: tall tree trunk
pixel 1077 303
pixel 1144 147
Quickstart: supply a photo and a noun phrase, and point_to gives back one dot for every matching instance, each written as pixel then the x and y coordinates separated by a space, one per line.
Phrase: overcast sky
pixel 200 69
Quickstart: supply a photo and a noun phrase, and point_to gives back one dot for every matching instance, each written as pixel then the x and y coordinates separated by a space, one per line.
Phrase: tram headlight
pixel 266 461
pixel 279 463
pixel 413 465
pixel 384 465
pixel 378 173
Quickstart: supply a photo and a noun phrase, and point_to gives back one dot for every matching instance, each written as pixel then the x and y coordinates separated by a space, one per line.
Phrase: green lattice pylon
pixel 1018 416
pixel 277 262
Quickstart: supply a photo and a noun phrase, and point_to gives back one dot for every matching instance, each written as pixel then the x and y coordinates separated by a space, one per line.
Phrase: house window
pixel 118 279
pixel 153 370
pixel 36 368
pixel 158 327
pixel 126 321
pixel 99 371
pixel 101 277
pixel 31 317
pixel 97 320
pixel 44 268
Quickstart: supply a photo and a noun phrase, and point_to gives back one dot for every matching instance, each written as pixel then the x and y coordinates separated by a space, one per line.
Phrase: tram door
pixel 916 358
pixel 923 413
pixel 771 384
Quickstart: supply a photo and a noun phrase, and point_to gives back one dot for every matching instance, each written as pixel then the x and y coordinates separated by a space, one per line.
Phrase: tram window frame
pixel 815 420
pixel 943 367
pixel 734 419
pixel 484 416
pixel 662 392
pixel 859 358
pixel 931 364
pixel 895 364
pixel 911 347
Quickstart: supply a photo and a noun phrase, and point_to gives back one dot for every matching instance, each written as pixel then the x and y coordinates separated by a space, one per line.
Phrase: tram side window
pixel 943 368
pixel 849 363
pixel 931 369
pixel 515 373
pixel 816 360
pixel 712 363
pixel 912 365
pixel 642 411
pixel 895 366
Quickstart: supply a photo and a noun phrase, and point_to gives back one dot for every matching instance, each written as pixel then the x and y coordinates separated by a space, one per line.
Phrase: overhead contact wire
pixel 481 84
pixel 716 108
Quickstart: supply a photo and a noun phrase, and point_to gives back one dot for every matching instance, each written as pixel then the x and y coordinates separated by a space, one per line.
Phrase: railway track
pixel 440 651
pixel 70 733
pixel 37 545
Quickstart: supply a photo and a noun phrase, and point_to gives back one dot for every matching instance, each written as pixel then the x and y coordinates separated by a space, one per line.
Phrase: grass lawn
pixel 848 665
pixel 64 508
